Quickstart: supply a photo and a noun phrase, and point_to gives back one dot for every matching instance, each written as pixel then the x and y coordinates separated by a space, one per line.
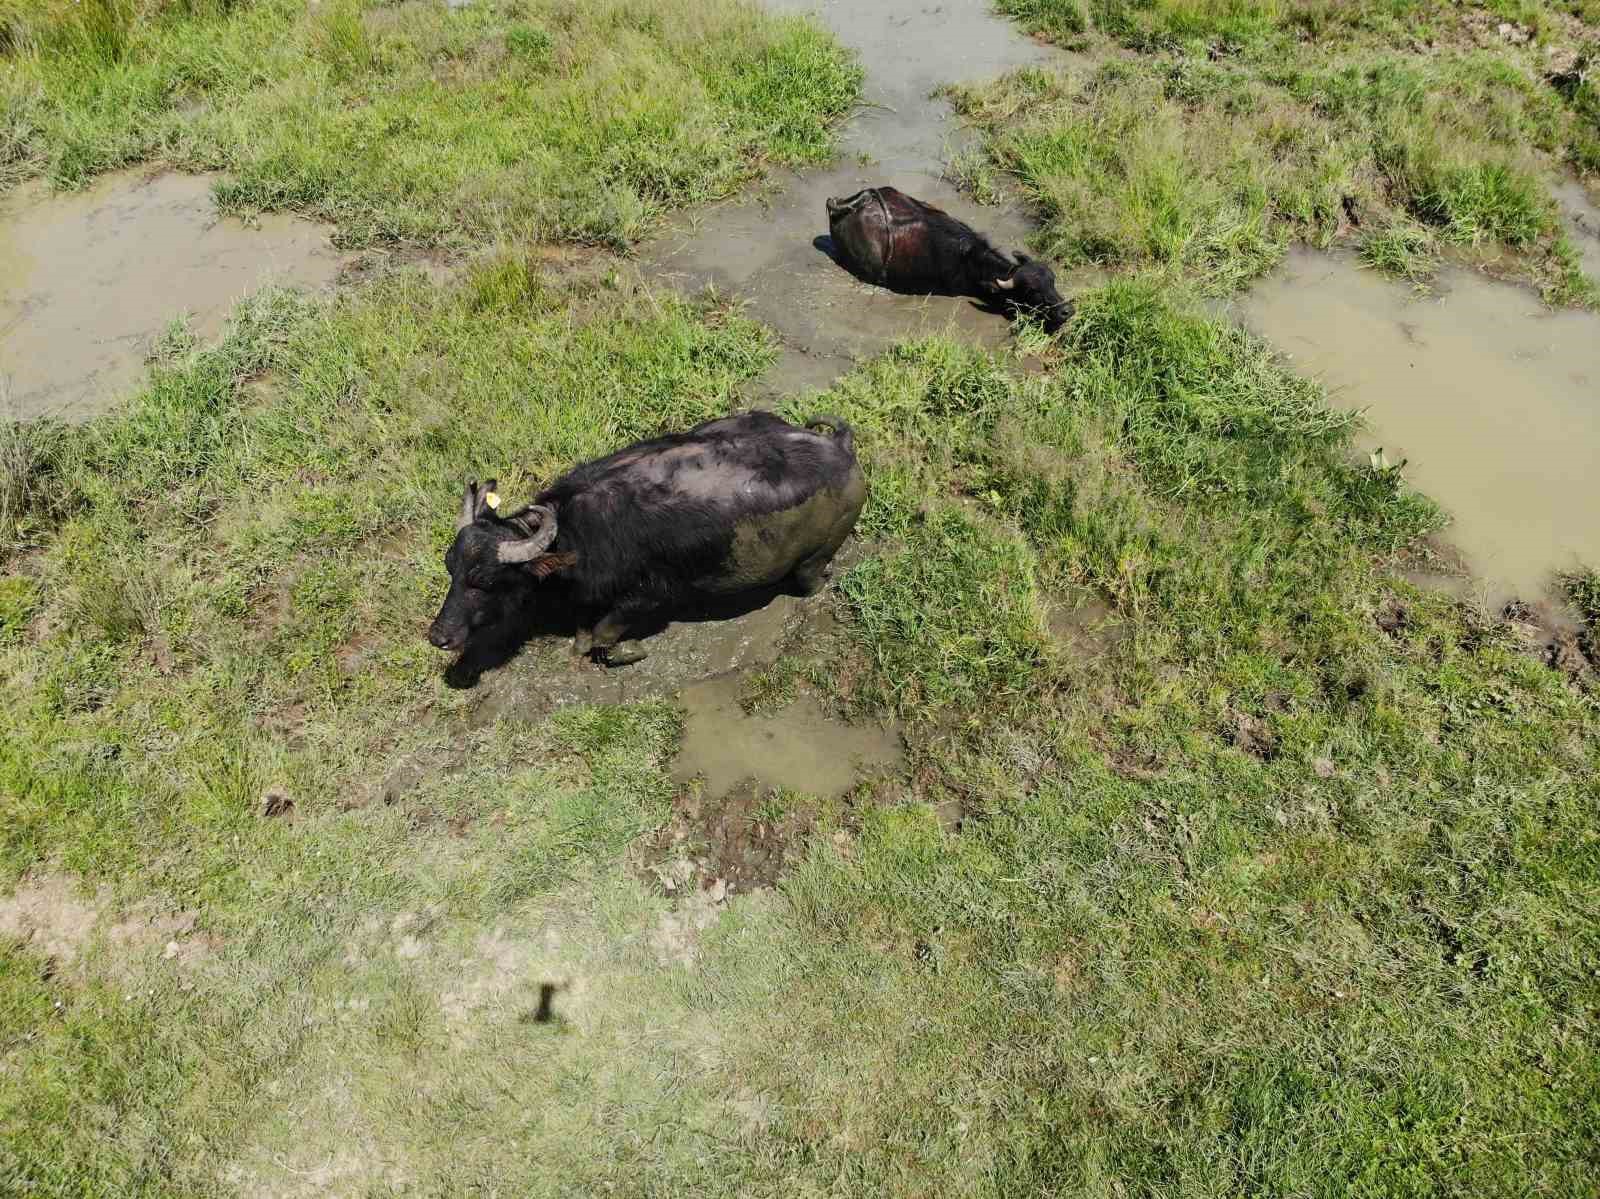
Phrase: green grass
pixel 1315 123
pixel 526 118
pixel 1208 171
pixel 1350 953
pixel 1234 25
pixel 1285 883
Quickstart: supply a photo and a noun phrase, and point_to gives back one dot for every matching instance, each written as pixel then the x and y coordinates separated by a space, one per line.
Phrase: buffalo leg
pixel 813 572
pixel 607 642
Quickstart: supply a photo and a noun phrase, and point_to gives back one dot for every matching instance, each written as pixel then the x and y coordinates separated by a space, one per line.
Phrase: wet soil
pixel 1582 220
pixel 730 828
pixel 684 648
pixel 774 253
pixel 88 280
pixel 1493 400
pixel 1086 626
pixel 800 748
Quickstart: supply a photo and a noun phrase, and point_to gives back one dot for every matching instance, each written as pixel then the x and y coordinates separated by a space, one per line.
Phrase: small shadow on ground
pixel 549 615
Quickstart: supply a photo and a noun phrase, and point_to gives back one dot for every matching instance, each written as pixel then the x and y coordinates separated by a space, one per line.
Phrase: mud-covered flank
pixel 1493 400
pixel 775 252
pixel 88 281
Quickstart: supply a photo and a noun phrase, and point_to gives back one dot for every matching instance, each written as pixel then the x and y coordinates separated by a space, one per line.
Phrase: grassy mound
pixel 421 121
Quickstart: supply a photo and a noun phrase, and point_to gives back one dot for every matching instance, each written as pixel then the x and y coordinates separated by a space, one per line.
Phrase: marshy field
pixel 1188 783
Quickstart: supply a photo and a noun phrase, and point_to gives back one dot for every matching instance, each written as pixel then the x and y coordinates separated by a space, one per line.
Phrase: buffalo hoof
pixel 624 653
pixel 582 642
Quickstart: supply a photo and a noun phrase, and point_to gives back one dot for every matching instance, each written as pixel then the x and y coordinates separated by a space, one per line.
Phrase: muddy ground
pixel 773 252
pixel 1490 397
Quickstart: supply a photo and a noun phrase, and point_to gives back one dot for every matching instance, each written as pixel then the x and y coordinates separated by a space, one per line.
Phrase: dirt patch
pixel 1393 616
pixel 736 823
pixel 49 916
pixel 89 280
pixel 1551 636
pixel 676 937
pixel 738 842
pixel 1086 627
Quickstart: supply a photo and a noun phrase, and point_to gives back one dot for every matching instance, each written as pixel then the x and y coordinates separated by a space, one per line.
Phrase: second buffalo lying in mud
pixel 730 506
pixel 899 242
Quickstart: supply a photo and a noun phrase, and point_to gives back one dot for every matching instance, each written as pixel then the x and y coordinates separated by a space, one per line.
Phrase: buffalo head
pixel 1031 284
pixel 492 562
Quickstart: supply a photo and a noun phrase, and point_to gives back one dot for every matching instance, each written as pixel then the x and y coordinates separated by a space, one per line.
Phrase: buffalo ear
pixel 475 501
pixel 540 523
pixel 1022 259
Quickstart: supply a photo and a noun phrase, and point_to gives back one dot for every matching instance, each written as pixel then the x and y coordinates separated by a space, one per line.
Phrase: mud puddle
pixel 1493 399
pixel 88 280
pixel 800 748
pixel 546 675
pixel 730 830
pixel 773 252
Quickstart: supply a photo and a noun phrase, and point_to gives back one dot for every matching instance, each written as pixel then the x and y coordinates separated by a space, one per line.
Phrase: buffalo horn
pixel 526 549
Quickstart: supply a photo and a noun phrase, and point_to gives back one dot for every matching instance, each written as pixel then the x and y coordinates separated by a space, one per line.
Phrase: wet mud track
pixel 773 252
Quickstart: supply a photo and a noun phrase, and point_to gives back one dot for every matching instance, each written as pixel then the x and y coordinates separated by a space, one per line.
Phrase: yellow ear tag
pixel 493 500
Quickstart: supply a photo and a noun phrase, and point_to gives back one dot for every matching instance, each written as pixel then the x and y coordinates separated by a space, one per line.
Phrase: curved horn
pixel 1022 259
pixel 1006 282
pixel 526 549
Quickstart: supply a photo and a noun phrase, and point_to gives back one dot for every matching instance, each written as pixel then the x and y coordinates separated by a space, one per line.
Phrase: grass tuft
pixel 426 123
pixel 1206 171
pixel 1403 249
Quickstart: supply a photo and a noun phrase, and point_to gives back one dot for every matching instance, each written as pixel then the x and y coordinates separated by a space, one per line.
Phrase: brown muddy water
pixel 87 280
pixel 1493 400
pixel 771 252
pixel 800 748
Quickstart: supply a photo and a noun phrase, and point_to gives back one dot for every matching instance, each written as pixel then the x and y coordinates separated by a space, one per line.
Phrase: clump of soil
pixel 1392 617
pixel 1546 636
pixel 738 841
pixel 276 802
pixel 1252 735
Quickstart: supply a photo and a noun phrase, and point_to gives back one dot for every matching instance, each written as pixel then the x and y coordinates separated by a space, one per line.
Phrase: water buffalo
pixel 897 241
pixel 731 505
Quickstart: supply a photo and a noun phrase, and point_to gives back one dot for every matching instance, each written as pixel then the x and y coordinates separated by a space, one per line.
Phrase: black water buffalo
pixel 732 505
pixel 897 241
